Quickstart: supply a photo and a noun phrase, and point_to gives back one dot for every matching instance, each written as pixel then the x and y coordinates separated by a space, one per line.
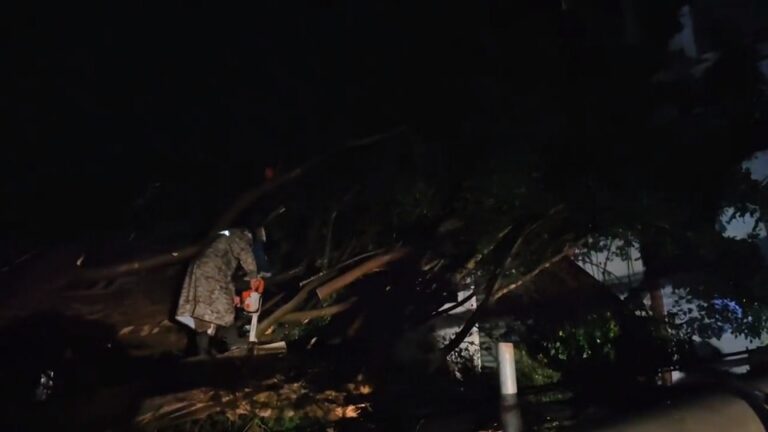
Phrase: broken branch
pixel 340 282
pixel 109 272
pixel 329 241
pixel 545 265
pixel 473 319
pixel 318 313
pixel 245 201
pixel 285 309
pixel 454 306
pixel 327 288
pixel 472 263
pixel 248 198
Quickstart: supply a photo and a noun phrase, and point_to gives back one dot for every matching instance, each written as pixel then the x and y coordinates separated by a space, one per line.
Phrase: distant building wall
pixel 468 353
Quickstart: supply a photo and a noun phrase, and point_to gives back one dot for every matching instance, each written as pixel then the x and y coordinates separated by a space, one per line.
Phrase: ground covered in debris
pixel 104 356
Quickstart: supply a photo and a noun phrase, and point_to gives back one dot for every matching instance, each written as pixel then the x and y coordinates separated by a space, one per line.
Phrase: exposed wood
pixel 329 241
pixel 172 257
pixel 285 309
pixel 318 313
pixel 319 283
pixel 360 257
pixel 340 282
pixel 288 275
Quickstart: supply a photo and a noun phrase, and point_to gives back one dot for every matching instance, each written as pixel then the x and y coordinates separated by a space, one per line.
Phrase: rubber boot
pixel 204 348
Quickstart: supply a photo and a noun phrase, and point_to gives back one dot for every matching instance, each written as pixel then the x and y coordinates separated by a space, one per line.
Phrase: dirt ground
pixel 139 307
pixel 116 360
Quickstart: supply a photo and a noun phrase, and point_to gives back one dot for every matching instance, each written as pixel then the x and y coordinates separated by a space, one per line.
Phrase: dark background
pixel 108 105
pixel 103 102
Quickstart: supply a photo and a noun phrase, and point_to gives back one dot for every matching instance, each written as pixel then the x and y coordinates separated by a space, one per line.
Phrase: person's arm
pixel 260 235
pixel 241 248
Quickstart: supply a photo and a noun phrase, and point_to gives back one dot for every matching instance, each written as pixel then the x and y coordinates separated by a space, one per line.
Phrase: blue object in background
pixel 261 258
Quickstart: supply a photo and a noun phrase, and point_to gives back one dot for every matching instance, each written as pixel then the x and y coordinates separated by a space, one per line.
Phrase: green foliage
pixel 593 339
pixel 693 318
pixel 292 332
pixel 533 370
pixel 290 424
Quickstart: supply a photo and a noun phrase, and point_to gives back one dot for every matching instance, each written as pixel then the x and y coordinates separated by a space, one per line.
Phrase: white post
pixel 507 373
pixel 510 409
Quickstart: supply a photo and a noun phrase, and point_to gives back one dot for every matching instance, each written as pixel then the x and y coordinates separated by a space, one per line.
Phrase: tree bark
pixel 318 313
pixel 327 288
pixel 169 258
pixel 340 282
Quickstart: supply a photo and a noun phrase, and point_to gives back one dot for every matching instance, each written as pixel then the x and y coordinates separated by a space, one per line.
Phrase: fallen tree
pixel 525 202
pixel 245 201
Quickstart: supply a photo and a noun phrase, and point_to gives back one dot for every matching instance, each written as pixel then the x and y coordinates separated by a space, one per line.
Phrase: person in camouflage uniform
pixel 208 295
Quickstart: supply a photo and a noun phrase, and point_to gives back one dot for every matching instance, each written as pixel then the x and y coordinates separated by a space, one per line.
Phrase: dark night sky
pixel 103 102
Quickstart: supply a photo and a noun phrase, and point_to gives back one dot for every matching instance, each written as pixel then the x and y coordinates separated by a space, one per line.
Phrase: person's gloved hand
pixel 237 301
pixel 257 284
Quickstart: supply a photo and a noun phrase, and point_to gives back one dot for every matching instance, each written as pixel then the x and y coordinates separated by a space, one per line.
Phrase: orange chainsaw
pixel 250 300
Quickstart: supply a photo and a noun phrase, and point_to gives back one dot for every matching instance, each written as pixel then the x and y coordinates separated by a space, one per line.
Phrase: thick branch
pixel 498 293
pixel 287 275
pixel 334 285
pixel 359 257
pixel 492 286
pixel 473 319
pixel 472 263
pixel 340 282
pixel 229 216
pixel 520 240
pixel 248 198
pixel 285 309
pixel 318 313
pixel 454 306
pixel 329 241
pixel 169 258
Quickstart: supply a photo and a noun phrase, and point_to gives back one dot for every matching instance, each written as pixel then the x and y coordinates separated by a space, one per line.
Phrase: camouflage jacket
pixel 208 288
